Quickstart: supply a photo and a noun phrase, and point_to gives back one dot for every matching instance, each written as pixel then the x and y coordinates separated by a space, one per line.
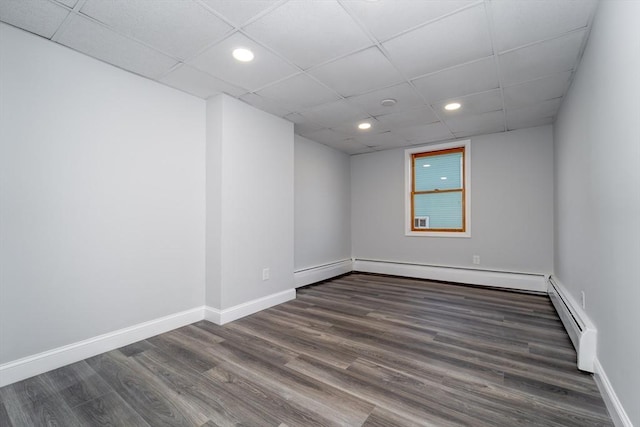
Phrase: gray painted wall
pixel 322 204
pixel 597 205
pixel 213 247
pixel 511 207
pixel 250 167
pixel 101 197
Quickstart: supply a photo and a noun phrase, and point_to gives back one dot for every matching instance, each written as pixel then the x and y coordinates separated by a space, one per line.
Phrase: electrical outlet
pixel 582 299
pixel 476 259
pixel 265 274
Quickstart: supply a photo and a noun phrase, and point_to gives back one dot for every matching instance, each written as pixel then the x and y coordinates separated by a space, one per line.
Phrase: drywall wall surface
pixel 101 197
pixel 511 207
pixel 597 198
pixel 256 200
pixel 213 251
pixel 322 204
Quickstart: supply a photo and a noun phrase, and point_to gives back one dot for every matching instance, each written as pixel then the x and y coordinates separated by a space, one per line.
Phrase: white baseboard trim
pixel 500 279
pixel 616 411
pixel 583 333
pixel 30 366
pixel 311 275
pixel 212 315
pixel 220 317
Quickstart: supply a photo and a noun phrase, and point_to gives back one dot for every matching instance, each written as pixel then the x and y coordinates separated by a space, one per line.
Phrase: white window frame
pixel 408 181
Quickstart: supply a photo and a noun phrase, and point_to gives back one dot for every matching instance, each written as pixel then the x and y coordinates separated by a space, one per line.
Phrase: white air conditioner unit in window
pixel 421 222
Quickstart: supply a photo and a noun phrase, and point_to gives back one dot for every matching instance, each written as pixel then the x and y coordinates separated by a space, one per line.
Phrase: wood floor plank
pixel 135 348
pixel 109 410
pixel 368 390
pixel 34 402
pixel 275 406
pixel 383 418
pixel 358 350
pixel 210 399
pixel 4 415
pixel 77 383
pixel 158 405
pixel 339 407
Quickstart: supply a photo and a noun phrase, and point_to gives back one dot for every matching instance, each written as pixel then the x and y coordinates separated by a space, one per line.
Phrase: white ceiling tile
pixel 531 92
pixel 417 117
pixel 199 83
pixel 299 92
pixel 520 121
pixel 436 46
pixel 382 140
pixel 334 113
pixel 309 32
pixel 477 76
pixel 178 28
pixel 37 16
pixel 69 3
pixel 302 128
pixel 517 23
pixel 542 59
pixel 296 118
pixel 385 18
pixel 95 40
pixel 326 136
pixel 265 104
pixel 477 103
pixel 524 116
pixel 302 124
pixel 238 12
pixel 425 133
pixel 476 124
pixel 405 96
pixel 353 75
pixel 351 128
pixel 264 69
pixel 349 146
pixel 444 65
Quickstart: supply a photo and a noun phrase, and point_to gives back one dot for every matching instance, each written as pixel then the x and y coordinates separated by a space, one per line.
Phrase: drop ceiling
pixel 326 65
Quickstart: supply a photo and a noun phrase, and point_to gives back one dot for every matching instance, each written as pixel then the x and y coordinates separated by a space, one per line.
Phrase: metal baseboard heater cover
pixel 582 332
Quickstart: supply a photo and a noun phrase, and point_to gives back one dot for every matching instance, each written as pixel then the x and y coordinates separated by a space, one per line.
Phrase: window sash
pixel 461 190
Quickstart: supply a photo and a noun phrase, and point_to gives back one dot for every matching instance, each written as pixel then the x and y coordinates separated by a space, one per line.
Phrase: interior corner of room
pixel 128 212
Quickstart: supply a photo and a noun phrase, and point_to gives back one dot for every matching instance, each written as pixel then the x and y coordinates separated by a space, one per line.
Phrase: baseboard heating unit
pixel 582 332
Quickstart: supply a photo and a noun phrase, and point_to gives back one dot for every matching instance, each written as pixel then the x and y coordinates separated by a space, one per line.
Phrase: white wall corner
pixel 311 275
pixel 37 364
pixel 220 317
pixel 498 279
pixel 616 410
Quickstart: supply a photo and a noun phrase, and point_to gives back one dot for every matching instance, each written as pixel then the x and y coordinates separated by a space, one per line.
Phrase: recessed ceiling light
pixel 443 178
pixel 243 55
pixel 390 102
pixel 426 166
pixel 364 126
pixel 452 106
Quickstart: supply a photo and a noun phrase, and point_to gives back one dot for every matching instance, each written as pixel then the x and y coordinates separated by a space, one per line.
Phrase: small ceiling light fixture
pixel 443 178
pixel 364 126
pixel 243 55
pixel 426 166
pixel 389 102
pixel 452 106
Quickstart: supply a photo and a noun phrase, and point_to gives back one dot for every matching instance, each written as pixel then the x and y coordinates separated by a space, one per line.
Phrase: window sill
pixel 465 234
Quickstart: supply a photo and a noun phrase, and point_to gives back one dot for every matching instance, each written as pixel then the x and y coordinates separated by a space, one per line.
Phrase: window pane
pixel 444 210
pixel 441 172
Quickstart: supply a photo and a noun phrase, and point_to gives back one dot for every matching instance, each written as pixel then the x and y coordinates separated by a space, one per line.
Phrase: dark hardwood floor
pixel 360 350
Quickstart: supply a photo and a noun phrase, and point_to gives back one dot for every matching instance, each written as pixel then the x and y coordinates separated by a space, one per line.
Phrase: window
pixel 437 190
